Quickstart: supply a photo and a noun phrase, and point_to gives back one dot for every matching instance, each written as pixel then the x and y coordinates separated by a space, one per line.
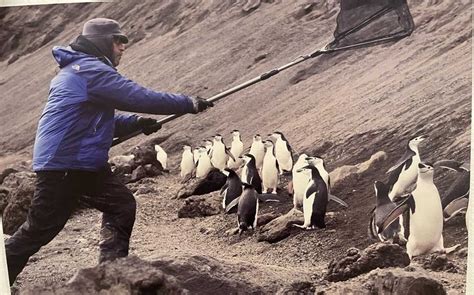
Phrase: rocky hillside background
pixel 344 106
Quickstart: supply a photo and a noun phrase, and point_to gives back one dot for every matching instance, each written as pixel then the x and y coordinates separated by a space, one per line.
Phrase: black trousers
pixel 57 194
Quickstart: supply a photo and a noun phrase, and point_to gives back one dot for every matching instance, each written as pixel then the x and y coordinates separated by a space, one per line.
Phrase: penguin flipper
pixel 406 204
pixel 312 190
pixel 232 204
pixel 337 200
pixel 226 186
pixel 408 154
pixel 449 164
pixel 228 152
pixel 456 206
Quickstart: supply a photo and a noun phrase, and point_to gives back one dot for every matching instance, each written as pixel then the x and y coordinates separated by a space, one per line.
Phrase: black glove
pixel 200 104
pixel 148 125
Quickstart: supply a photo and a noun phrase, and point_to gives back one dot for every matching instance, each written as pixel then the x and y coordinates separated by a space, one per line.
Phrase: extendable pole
pixel 234 89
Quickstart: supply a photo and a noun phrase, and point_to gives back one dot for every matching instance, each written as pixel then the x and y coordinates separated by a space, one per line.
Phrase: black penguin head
pixel 248 158
pixel 315 160
pixel 257 137
pixel 235 133
pixel 302 157
pixel 268 143
pixel 424 168
pixel 309 169
pixel 415 141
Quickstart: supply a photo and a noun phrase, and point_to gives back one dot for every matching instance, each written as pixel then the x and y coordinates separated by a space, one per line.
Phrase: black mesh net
pixel 367 22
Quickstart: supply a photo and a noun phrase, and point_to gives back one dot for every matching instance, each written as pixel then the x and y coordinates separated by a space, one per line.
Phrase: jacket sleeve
pixel 108 87
pixel 124 124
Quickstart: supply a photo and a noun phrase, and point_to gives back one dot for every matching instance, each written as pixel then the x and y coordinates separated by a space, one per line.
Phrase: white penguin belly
pixel 258 151
pixel 244 176
pixel 300 181
pixel 270 173
pixel 187 165
pixel 219 157
pixel 308 209
pixel 283 156
pixel 203 168
pixel 426 227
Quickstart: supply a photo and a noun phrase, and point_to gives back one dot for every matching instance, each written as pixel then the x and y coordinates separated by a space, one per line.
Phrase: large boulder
pixel 356 262
pixel 280 227
pixel 129 275
pixel 3 198
pixel 180 275
pixel 388 282
pixel 214 181
pixel 206 275
pixel 21 187
pixel 199 206
pixel 344 173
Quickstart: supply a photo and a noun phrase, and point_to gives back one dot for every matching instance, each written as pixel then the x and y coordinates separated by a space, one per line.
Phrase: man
pixel 73 139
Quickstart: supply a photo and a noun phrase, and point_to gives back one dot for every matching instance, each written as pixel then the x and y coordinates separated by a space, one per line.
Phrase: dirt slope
pixel 344 106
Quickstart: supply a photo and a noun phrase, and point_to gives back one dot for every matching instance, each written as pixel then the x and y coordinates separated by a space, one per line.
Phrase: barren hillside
pixel 344 106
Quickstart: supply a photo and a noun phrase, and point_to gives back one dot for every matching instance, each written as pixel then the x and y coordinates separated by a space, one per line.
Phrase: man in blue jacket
pixel 73 139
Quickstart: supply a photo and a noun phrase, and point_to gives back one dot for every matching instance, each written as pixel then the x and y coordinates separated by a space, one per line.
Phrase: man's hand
pixel 148 125
pixel 200 104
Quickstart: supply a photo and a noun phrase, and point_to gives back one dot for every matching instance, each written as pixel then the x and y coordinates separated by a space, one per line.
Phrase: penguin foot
pixel 303 226
pixel 451 249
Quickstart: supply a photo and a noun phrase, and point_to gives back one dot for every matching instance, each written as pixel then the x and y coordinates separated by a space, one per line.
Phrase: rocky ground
pixel 295 258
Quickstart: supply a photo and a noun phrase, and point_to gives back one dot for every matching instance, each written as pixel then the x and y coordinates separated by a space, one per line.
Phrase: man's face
pixel 118 48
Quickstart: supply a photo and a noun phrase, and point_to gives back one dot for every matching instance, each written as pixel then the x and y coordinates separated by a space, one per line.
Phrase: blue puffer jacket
pixel 79 123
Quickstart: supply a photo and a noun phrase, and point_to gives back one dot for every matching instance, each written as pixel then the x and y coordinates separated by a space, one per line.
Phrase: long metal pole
pixel 234 89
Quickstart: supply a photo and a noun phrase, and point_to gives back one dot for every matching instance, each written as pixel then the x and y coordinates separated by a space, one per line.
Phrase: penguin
pixel 203 165
pixel 426 216
pixel 236 149
pixel 300 181
pixel 318 162
pixel 315 199
pixel 231 190
pixel 382 208
pixel 257 149
pixel 249 173
pixel 247 210
pixel 270 169
pixel 161 156
pixel 187 162
pixel 403 174
pixel 456 199
pixel 283 152
pixel 219 153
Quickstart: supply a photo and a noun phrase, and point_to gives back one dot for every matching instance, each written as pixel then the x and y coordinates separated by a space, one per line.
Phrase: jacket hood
pixel 66 55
